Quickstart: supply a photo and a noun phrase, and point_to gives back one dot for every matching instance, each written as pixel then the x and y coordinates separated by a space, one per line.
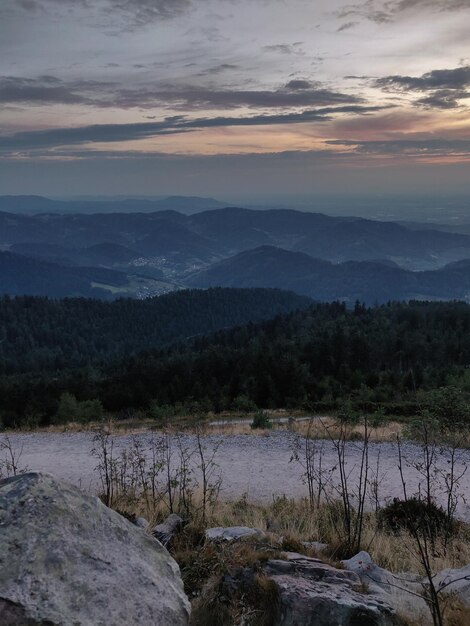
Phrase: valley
pixel 109 255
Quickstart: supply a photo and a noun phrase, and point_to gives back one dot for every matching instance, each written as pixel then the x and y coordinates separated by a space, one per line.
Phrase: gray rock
pixel 402 591
pixel 455 581
pixel 165 531
pixel 141 522
pixel 313 593
pixel 234 533
pixel 65 558
pixel 317 546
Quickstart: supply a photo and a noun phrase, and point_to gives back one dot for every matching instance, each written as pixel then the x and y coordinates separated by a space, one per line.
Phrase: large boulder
pixel 65 559
pixel 314 593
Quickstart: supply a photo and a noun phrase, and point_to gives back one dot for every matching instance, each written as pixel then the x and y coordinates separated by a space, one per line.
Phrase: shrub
pixel 243 404
pixel 415 516
pixel 261 420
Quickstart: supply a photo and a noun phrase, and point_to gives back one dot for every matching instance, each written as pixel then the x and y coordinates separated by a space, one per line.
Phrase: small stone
pixel 141 522
pixel 234 533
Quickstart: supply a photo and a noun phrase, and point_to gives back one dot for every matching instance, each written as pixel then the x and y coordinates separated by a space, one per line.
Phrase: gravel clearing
pixel 259 466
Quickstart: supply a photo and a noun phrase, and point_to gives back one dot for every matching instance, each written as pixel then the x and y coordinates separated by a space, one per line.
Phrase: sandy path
pixel 259 466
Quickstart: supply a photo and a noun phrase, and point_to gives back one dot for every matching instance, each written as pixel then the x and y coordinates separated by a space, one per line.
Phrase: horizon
pixel 446 209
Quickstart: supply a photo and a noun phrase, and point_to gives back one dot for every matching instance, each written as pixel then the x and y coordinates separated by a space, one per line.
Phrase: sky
pixel 234 98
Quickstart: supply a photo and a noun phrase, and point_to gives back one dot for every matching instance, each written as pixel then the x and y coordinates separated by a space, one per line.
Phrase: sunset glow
pixel 337 86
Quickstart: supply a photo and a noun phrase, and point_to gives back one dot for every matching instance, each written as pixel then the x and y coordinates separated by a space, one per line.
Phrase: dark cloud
pixel 294 94
pixel 52 90
pixel 111 133
pixel 444 88
pixel 218 69
pixel 347 26
pixel 457 78
pixel 410 147
pixel 285 48
pixel 381 12
pixel 443 99
pixel 299 84
pixel 137 11
pixel 48 90
pixel 145 10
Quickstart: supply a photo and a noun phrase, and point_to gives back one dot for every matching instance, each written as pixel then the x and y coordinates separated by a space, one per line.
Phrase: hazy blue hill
pixel 167 238
pixel 105 254
pixel 28 204
pixel 273 267
pixel 45 251
pixel 331 238
pixel 39 204
pixel 186 204
pixel 268 266
pixel 102 254
pixel 25 275
pixel 209 236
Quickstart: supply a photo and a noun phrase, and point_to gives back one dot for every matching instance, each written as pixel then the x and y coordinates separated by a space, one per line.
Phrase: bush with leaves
pixel 261 420
pixel 413 515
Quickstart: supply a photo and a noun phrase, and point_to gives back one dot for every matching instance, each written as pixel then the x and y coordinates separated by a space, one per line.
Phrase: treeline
pixel 318 358
pixel 38 334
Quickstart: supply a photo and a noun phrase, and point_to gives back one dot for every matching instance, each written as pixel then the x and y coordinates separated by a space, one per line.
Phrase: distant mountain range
pixel 322 280
pixel 24 275
pixel 212 235
pixel 39 204
pixel 150 253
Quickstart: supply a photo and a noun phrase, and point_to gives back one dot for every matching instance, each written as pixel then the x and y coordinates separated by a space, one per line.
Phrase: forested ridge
pixel 42 333
pixel 319 357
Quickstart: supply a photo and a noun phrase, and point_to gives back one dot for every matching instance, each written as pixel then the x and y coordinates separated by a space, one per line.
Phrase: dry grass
pixel 116 427
pixel 287 523
pixel 326 427
pixel 456 613
pixel 230 424
pixel 294 521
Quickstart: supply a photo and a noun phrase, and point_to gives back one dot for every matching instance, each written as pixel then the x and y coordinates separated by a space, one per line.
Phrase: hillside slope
pixel 368 282
pixel 210 236
pixel 39 334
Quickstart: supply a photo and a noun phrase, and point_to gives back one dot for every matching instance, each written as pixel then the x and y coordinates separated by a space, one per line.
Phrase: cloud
pixel 286 48
pixel 299 84
pixel 140 11
pixel 457 78
pixel 218 69
pixel 112 133
pixel 293 94
pixel 443 99
pixel 382 12
pixel 445 87
pixel 347 26
pixel 47 90
pixel 409 147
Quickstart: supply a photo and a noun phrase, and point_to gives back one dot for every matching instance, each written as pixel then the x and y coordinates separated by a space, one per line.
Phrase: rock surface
pixel 455 581
pixel 66 559
pixel 316 546
pixel 313 593
pixel 234 533
pixel 165 531
pixel 401 591
pixel 141 522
